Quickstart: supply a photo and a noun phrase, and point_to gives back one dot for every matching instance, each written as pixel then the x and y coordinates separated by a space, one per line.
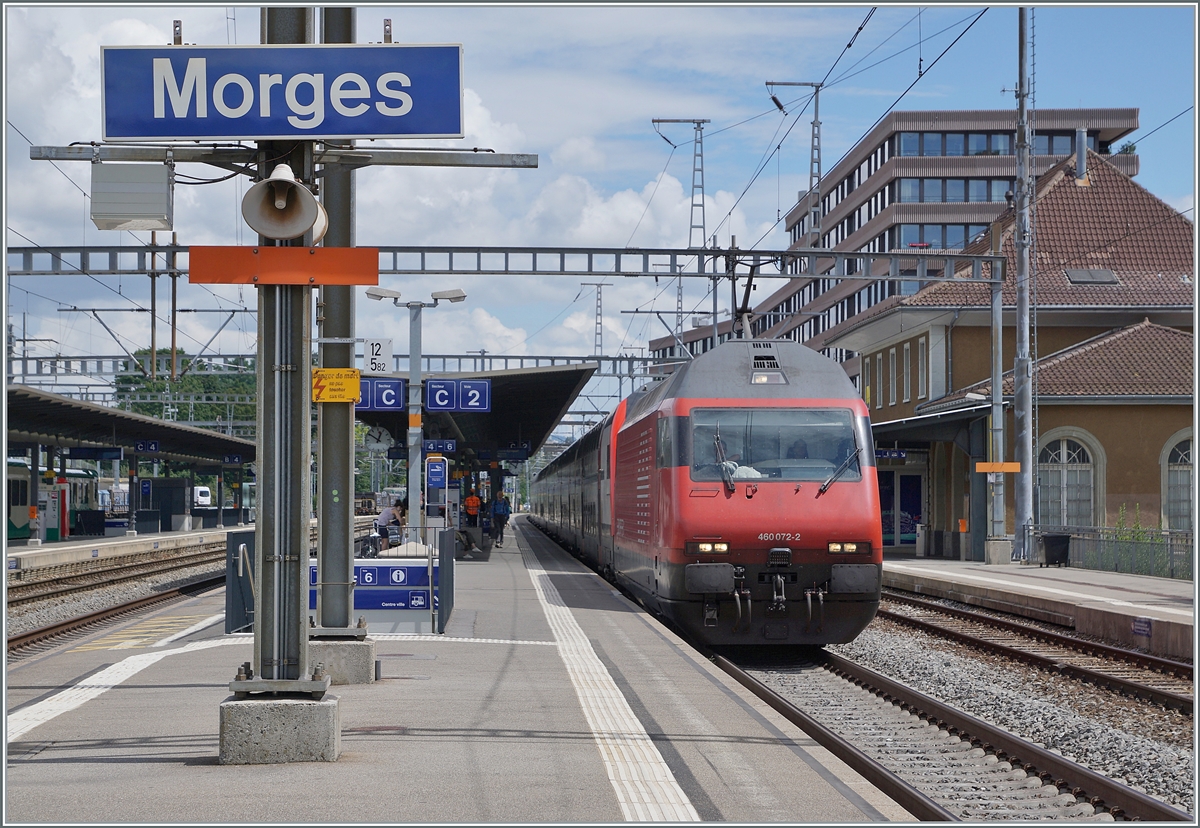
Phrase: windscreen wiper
pixel 838 472
pixel 719 451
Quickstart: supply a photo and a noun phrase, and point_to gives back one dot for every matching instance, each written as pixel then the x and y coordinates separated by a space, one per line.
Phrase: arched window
pixel 1065 484
pixel 1179 486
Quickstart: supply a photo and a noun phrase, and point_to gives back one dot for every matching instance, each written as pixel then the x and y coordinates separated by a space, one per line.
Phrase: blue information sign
pixel 380 395
pixel 302 92
pixel 435 474
pixel 441 395
pixel 474 395
pixel 146 446
pixel 458 395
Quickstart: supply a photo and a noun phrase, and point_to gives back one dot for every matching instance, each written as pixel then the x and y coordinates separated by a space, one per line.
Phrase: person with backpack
pixel 500 514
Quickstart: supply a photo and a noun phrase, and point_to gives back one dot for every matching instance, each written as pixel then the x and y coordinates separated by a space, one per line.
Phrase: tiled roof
pixel 1111 223
pixel 1141 360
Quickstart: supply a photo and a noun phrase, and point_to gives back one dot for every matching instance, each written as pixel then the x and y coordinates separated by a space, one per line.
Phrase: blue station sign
pixel 307 92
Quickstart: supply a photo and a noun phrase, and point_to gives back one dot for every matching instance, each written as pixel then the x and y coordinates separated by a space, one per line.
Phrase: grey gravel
pixel 1140 744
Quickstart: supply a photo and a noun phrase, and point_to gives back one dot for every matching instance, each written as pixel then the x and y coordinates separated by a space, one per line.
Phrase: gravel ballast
pixel 1140 744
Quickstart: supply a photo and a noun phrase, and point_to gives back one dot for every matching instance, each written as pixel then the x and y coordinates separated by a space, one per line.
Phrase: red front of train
pixel 750 520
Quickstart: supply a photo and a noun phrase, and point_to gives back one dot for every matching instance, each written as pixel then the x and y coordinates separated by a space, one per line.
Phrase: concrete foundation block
pixel 273 730
pixel 997 551
pixel 346 662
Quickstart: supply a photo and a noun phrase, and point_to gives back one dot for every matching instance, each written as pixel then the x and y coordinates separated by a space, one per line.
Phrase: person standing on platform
pixel 390 516
pixel 500 512
pixel 471 507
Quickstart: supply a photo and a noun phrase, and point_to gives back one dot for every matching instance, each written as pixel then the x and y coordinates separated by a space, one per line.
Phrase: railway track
pixel 83 578
pixel 934 760
pixel 1153 679
pixel 23 641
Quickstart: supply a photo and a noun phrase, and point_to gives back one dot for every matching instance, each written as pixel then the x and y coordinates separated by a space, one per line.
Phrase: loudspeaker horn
pixel 280 207
pixel 321 225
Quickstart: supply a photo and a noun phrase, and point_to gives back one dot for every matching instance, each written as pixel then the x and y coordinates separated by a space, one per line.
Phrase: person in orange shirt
pixel 471 507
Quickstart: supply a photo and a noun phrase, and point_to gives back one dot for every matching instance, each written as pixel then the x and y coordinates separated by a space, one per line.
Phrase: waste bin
pixel 1056 549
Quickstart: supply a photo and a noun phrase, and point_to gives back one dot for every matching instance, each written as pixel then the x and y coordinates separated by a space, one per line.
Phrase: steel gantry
pixel 598 263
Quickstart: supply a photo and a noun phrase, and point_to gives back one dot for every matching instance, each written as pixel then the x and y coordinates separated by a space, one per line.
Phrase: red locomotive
pixel 737 497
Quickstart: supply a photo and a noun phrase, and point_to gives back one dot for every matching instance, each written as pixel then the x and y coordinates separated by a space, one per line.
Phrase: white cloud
pixel 579 153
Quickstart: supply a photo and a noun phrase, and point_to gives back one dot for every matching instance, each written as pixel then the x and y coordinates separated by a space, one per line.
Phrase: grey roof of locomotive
pixel 726 371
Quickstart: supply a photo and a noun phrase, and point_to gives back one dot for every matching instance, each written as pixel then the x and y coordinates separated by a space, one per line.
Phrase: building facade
pixel 918 180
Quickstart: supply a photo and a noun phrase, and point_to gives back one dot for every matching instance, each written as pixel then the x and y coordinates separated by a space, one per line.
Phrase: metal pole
pixel 153 309
pixel 998 516
pixel 174 310
pixel 284 438
pixel 335 421
pixel 1022 376
pixel 415 507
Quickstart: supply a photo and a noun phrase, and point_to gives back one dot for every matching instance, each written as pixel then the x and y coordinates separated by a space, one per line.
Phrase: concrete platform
pixel 551 698
pixel 1156 614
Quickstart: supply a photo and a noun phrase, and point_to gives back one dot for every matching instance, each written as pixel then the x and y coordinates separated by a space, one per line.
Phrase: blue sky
pixel 579 86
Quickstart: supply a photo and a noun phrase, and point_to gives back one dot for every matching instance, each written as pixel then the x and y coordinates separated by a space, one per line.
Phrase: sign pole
pixel 284 439
pixel 415 506
pixel 335 421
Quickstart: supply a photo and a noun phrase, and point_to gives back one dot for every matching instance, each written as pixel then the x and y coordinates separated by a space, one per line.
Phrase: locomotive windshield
pixel 774 443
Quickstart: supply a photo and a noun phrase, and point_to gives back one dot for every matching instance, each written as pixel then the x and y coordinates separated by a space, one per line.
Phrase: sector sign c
pixel 303 92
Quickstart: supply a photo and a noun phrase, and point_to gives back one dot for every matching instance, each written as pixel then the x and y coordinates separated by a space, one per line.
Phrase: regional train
pixel 83 495
pixel 737 498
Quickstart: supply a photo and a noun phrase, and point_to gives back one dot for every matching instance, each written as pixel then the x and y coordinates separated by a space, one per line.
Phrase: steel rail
pixel 903 794
pixel 127 573
pixel 25 639
pixel 1121 801
pixel 1150 662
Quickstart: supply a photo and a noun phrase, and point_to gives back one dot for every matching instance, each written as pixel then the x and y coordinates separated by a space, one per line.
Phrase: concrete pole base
pixel 271 730
pixel 346 661
pixel 998 551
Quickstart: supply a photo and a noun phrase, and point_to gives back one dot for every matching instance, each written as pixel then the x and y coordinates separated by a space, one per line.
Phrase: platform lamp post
pixel 414 389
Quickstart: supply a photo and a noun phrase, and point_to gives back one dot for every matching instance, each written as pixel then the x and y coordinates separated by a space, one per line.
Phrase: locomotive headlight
pixel 849 548
pixel 707 548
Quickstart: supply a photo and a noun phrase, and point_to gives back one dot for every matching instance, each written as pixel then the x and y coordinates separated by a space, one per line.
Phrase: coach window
pixel 1177 471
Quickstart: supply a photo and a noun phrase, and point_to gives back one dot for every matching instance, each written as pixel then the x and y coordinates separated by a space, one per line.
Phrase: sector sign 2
pixel 160 93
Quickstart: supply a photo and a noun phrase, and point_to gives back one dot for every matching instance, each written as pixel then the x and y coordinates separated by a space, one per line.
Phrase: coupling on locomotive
pixel 738 498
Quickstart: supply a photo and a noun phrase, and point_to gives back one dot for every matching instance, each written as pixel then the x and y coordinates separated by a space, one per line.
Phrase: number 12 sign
pixel 377 356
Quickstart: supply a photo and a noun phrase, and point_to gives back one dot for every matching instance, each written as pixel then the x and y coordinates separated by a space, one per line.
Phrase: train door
pixel 604 483
pixel 901 503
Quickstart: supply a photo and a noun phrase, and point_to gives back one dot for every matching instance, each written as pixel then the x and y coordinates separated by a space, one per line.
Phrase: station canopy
pixel 527 404
pixel 39 417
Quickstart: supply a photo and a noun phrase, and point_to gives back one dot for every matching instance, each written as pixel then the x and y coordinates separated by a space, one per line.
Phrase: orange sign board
pixel 335 385
pixel 997 467
pixel 240 265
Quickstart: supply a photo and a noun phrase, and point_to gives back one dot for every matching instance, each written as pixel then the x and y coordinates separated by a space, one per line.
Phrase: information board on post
pixel 297 92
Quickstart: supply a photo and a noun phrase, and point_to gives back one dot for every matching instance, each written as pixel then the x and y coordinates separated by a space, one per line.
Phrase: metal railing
pixel 1161 553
